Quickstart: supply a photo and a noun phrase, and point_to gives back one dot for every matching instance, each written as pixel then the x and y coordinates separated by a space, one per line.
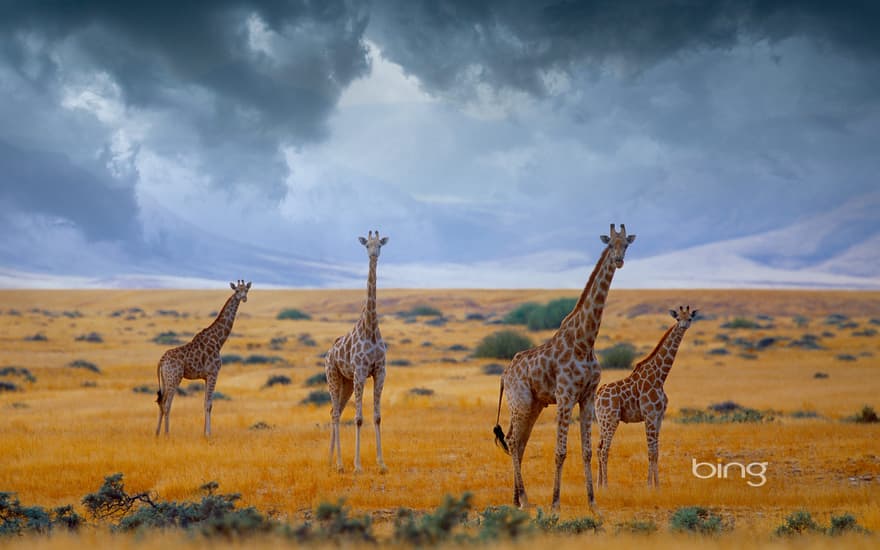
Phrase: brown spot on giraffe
pixel 352 359
pixel 198 359
pixel 640 397
pixel 550 374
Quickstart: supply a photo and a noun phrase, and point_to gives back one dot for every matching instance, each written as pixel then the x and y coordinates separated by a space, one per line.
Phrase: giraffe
pixel 352 359
pixel 198 359
pixel 640 397
pixel 562 371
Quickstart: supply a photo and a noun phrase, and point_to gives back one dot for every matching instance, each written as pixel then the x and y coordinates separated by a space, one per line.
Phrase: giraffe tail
pixel 499 433
pixel 159 375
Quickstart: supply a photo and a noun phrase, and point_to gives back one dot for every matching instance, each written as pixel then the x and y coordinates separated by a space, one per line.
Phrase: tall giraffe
pixel 198 359
pixel 562 371
pixel 640 397
pixel 355 357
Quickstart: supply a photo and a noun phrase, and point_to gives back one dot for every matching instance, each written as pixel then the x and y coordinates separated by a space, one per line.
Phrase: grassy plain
pixel 63 433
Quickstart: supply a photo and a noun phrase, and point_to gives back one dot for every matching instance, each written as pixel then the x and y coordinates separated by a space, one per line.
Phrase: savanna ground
pixel 61 434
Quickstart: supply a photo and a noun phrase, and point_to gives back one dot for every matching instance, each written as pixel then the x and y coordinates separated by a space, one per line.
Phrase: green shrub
pixel 695 519
pixel 276 380
pixel 18 371
pixel 493 369
pixel 83 364
pixel 257 359
pixel 8 386
pixel 92 337
pixel 168 338
pixel 844 524
pixel 550 316
pixel 431 529
pixel 799 523
pixel 230 358
pixel 618 356
pixel 865 416
pixel 421 310
pixel 502 345
pixel 317 379
pixel 503 522
pixel 292 314
pixel 307 340
pixel 16 519
pixel 721 413
pixel 638 527
pixel 520 314
pixel 38 337
pixel 400 363
pixel 741 322
pixel 336 524
pixel 421 391
pixel 575 526
pixel 317 397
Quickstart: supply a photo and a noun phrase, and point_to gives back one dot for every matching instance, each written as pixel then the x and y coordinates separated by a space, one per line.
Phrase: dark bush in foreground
pixel 8 386
pixel 865 416
pixel 845 523
pixel 550 316
pixel 502 345
pixel 433 528
pixel 799 523
pixel 317 397
pixel 637 527
pixel 16 519
pixel 292 314
pixel 695 519
pixel 520 314
pixel 618 356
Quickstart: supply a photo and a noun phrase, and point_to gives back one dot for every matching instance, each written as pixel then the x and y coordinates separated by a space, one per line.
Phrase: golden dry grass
pixel 63 434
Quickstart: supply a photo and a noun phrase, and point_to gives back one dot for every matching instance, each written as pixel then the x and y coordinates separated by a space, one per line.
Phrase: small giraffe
pixel 562 371
pixel 355 357
pixel 198 359
pixel 640 397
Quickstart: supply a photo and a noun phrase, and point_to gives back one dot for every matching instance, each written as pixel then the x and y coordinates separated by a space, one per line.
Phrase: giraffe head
pixel 241 289
pixel 684 316
pixel 373 243
pixel 617 242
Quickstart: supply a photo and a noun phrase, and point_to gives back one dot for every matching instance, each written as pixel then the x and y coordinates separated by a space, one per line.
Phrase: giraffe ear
pixel 694 314
pixel 605 239
pixel 232 286
pixel 248 286
pixel 362 240
pixel 630 238
pixel 383 240
pixel 673 313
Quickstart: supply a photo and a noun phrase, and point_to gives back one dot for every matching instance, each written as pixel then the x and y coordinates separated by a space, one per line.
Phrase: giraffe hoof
pixel 358 470
pixel 383 469
pixel 340 470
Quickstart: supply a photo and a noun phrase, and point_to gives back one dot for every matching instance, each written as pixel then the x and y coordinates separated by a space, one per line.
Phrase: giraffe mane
pixel 656 348
pixel 587 288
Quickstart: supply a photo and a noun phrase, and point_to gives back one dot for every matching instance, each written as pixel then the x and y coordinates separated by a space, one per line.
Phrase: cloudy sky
pixel 173 143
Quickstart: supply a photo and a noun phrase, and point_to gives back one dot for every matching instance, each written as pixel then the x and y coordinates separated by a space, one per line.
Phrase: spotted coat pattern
pixel 198 359
pixel 353 358
pixel 562 372
pixel 640 397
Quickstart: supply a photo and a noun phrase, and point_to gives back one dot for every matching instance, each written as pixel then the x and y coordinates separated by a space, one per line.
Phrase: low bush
pixel 317 397
pixel 92 337
pixel 799 523
pixel 502 345
pixel 83 364
pixel 520 314
pixel 292 314
pixel 257 359
pixel 277 380
pixel 319 379
pixel 493 369
pixel 8 386
pixel 741 322
pixel 18 371
pixel 721 413
pixel 421 310
pixel 618 356
pixel 421 391
pixel 230 358
pixel 400 363
pixel 865 416
pixel 432 528
pixel 638 527
pixel 168 338
pixel 16 519
pixel 38 337
pixel 695 519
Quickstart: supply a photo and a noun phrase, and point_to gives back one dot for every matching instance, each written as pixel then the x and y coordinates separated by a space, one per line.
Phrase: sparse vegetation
pixel 16 519
pixel 38 337
pixel 541 317
pixel 493 369
pixel 695 519
pixel 85 365
pixel 292 314
pixel 257 359
pixel 317 397
pixel 400 363
pixel 865 416
pixel 319 379
pixel 421 310
pixel 421 391
pixel 306 340
pixel 18 371
pixel 8 387
pixel 92 337
pixel 618 356
pixel 720 413
pixel 799 523
pixel 502 345
pixel 277 380
pixel 741 322
pixel 168 338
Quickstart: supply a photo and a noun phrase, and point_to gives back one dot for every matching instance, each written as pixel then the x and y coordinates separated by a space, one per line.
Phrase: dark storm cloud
pixel 155 49
pixel 49 184
pixel 454 45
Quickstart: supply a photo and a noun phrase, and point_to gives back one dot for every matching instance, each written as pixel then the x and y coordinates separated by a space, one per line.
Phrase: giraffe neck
pixel 584 320
pixel 658 364
pixel 217 333
pixel 368 316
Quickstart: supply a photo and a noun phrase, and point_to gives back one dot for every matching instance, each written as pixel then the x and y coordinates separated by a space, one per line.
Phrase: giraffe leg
pixel 586 422
pixel 210 382
pixel 169 397
pixel 563 419
pixel 652 432
pixel 378 384
pixel 607 426
pixel 360 380
pixel 340 392
pixel 522 420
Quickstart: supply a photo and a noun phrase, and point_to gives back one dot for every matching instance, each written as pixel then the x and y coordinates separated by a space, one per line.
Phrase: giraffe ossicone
pixel 562 371
pixel 199 359
pixel 640 397
pixel 354 357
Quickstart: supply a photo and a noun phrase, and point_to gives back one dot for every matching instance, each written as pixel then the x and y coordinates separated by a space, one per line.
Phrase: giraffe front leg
pixel 652 433
pixel 586 422
pixel 360 379
pixel 378 384
pixel 210 382
pixel 607 427
pixel 563 419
